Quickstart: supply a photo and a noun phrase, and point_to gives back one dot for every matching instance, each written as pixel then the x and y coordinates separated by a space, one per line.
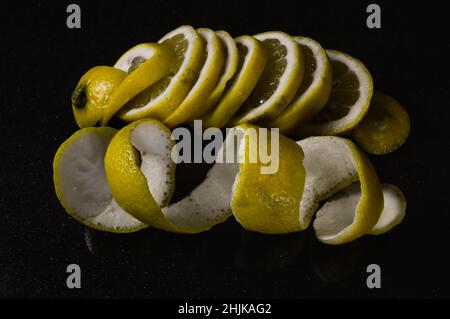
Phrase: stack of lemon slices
pixel 123 180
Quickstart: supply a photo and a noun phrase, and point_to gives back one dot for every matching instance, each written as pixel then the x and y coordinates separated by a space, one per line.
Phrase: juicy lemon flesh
pixel 178 44
pixel 269 80
pixel 344 94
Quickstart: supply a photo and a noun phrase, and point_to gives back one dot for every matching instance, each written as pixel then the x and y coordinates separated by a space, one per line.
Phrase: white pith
pixel 84 186
pixel 328 163
pixel 144 50
pixel 154 145
pixel 394 209
pixel 209 203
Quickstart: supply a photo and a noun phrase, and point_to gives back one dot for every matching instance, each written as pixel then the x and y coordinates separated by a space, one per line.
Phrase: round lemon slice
pixel 252 59
pixel 279 81
pixel 385 127
pixel 349 100
pixel 93 91
pixel 194 103
pixel 228 70
pixel 314 91
pixel 331 164
pixel 162 98
pixel 81 186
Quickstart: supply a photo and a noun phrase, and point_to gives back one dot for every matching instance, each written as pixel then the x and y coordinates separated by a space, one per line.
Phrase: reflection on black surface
pixel 261 252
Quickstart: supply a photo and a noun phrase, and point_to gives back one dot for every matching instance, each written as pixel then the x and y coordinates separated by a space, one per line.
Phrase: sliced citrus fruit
pixel 394 210
pixel 331 164
pixel 349 100
pixel 81 186
pixel 140 170
pixel 228 70
pixel 314 91
pixel 252 59
pixel 279 81
pixel 93 91
pixel 145 64
pixel 162 98
pixel 194 103
pixel 385 127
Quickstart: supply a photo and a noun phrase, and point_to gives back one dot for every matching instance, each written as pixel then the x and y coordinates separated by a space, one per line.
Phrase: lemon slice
pixel 349 100
pixel 140 170
pixel 385 127
pixel 393 212
pixel 252 59
pixel 193 105
pixel 331 164
pixel 279 81
pixel 229 69
pixel 93 91
pixel 81 186
pixel 145 64
pixel 162 98
pixel 314 91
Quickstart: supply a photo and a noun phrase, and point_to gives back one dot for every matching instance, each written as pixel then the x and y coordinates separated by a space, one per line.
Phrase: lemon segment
pixel 252 59
pixel 163 97
pixel 385 127
pixel 81 185
pixel 146 64
pixel 279 81
pixel 92 93
pixel 349 101
pixel 194 103
pixel 314 90
pixel 140 170
pixel 394 210
pixel 229 69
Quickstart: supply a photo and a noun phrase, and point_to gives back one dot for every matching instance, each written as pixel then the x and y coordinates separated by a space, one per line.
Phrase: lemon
pixel 331 164
pixel 393 212
pixel 349 100
pixel 228 70
pixel 269 203
pixel 385 127
pixel 145 64
pixel 252 59
pixel 140 171
pixel 92 93
pixel 279 81
pixel 213 61
pixel 314 91
pixel 80 182
pixel 265 203
pixel 162 98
